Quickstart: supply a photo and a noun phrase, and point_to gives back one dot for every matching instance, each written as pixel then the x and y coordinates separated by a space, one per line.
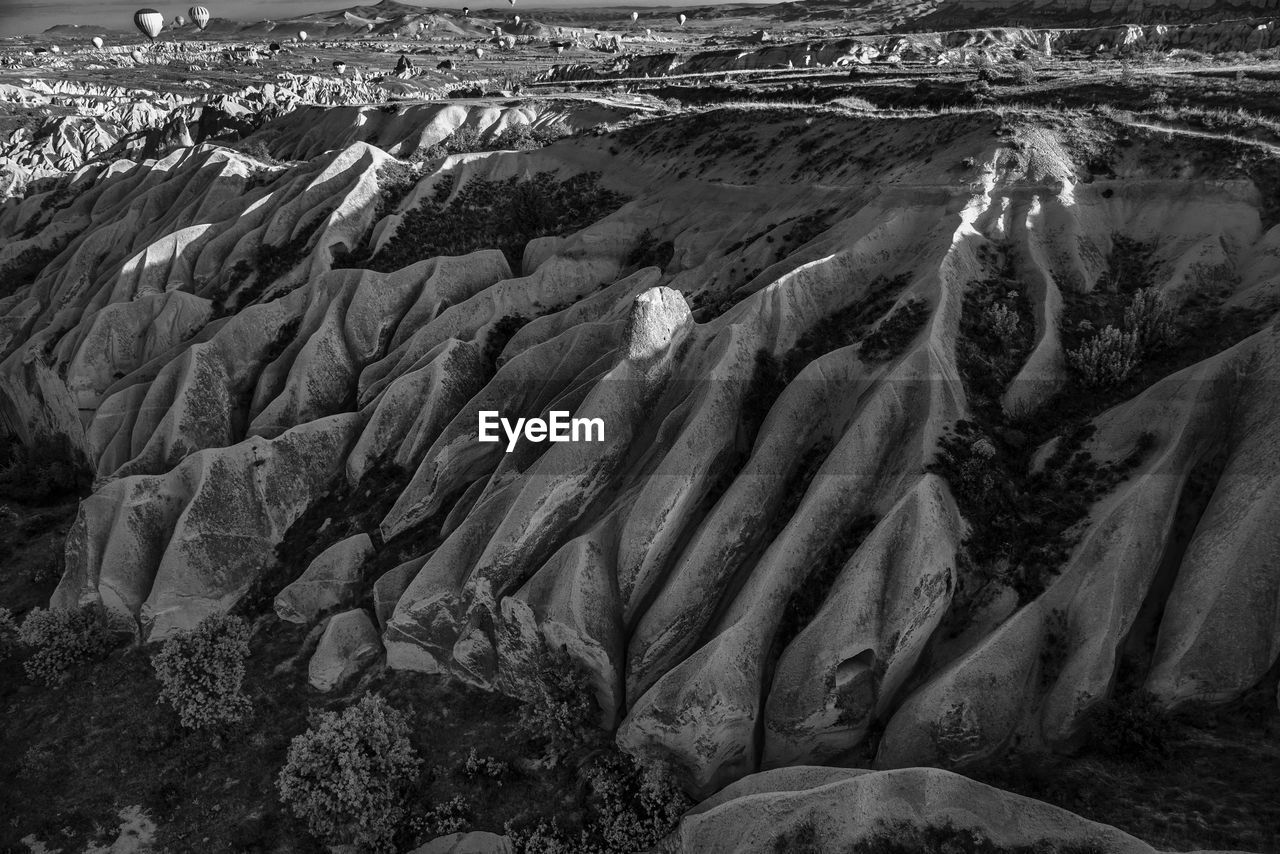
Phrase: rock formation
pixel 766 561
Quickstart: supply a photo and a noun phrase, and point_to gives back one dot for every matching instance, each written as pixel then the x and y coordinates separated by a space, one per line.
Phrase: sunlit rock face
pixel 786 549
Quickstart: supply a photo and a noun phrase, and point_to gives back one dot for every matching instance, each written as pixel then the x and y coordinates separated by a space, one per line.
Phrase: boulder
pixel 332 580
pixel 348 644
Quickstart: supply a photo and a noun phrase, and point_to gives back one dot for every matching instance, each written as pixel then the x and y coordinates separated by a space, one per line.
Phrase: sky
pixel 20 17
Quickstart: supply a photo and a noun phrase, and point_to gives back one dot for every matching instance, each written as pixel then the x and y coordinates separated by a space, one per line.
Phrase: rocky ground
pixel 938 380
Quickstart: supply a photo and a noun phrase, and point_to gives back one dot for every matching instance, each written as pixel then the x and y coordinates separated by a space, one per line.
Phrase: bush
pixel 1131 726
pixel 201 672
pixel 451 816
pixel 1024 74
pixel 635 805
pixel 1149 318
pixel 895 332
pixel 395 181
pixel 1105 360
pixel 486 214
pixel 632 807
pixel 476 767
pixel 562 708
pixel 62 639
pixel 1111 356
pixel 8 635
pixel 347 777
pixel 469 140
pixel 47 470
pixel 1002 321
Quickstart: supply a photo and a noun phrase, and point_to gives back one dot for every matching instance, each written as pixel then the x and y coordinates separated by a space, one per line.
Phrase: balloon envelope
pixel 466 10
pixel 635 16
pixel 682 19
pixel 55 49
pixel 478 52
pixel 517 19
pixel 200 15
pixel 178 20
pixel 98 42
pixel 302 35
pixel 136 56
pixel 149 22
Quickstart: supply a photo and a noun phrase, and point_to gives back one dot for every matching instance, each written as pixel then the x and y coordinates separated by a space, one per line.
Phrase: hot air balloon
pixel 559 49
pixel 682 19
pixel 635 16
pixel 512 2
pixel 340 66
pixel 273 47
pixel 517 20
pixel 479 53
pixel 200 15
pixel 55 49
pixel 149 22
pixel 179 21
pixel 98 42
pixel 302 35
pixel 466 11
pixel 137 56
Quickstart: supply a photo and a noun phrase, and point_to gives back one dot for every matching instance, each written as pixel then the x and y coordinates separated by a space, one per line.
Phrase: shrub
pixel 469 140
pixel 1149 318
pixel 546 836
pixel 47 470
pixel 635 805
pixel 632 806
pixel 347 776
pixel 561 709
pixel 1132 726
pixel 650 252
pixel 1111 356
pixel 1107 359
pixel 8 635
pixel 1024 74
pixel 442 819
pixel 1003 321
pixel 258 150
pixel 526 137
pixel 486 214
pixel 201 672
pixel 395 181
pixel 895 332
pixel 62 639
pixel 477 767
pixel 24 269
